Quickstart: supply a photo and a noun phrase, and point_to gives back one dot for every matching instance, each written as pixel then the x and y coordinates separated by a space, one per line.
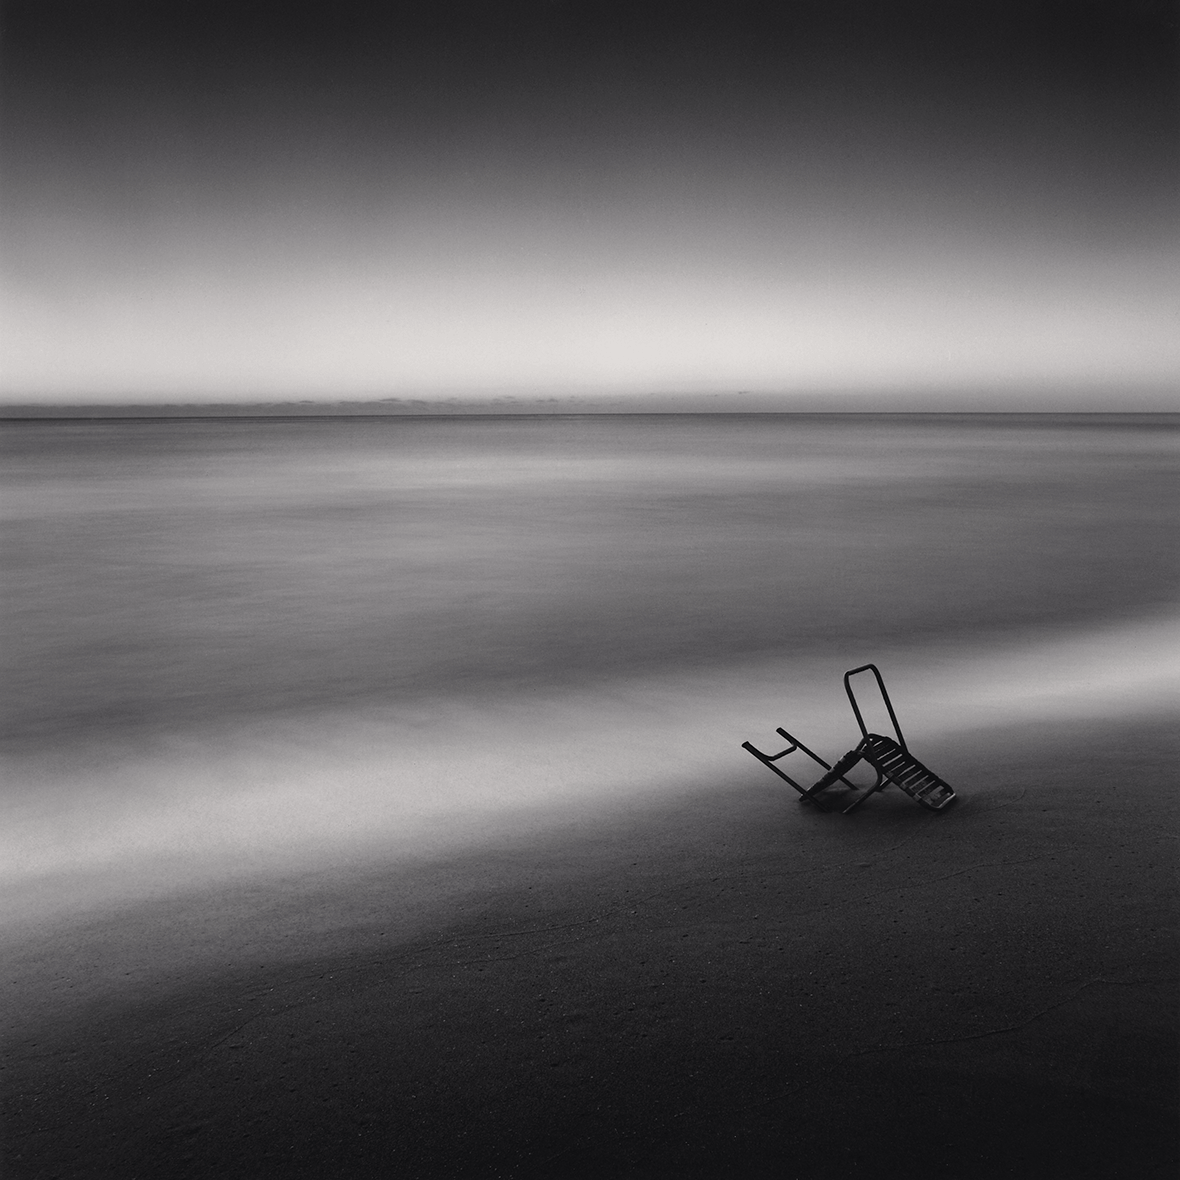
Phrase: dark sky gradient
pixel 257 199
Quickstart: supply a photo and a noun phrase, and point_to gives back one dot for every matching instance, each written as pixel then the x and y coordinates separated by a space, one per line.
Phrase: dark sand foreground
pixel 735 985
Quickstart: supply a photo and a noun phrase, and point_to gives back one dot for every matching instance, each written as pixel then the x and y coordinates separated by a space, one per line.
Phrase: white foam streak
pixel 450 774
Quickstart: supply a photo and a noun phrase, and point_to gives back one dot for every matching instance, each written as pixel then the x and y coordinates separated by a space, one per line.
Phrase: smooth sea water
pixel 231 640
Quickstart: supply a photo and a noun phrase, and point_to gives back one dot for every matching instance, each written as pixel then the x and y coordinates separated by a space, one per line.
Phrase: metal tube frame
pixel 770 760
pixel 861 751
pixel 884 696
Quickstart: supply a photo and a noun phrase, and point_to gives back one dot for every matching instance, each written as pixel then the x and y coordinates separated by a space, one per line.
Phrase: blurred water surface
pixel 160 573
pixel 415 609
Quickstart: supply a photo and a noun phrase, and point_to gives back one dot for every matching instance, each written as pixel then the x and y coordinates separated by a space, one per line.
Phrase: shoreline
pixel 418 783
pixel 659 993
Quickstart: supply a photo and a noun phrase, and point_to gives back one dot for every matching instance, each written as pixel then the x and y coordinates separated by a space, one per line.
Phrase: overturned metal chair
pixel 890 759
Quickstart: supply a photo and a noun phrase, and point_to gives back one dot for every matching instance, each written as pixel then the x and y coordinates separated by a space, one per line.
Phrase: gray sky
pixel 333 201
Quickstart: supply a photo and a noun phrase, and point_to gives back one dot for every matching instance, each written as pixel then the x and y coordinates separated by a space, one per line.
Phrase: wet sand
pixel 733 984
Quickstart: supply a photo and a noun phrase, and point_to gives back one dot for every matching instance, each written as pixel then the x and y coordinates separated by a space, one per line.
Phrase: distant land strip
pixel 1157 402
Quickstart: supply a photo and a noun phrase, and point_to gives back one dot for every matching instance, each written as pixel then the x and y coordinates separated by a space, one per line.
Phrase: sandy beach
pixel 728 984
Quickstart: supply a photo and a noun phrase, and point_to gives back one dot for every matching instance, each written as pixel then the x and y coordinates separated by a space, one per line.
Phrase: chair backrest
pixel 884 696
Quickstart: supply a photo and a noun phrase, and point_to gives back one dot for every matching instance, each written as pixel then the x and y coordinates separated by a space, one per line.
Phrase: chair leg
pixel 768 760
pixel 881 782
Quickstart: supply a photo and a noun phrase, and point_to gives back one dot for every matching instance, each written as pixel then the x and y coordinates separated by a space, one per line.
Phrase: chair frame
pixel 892 765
